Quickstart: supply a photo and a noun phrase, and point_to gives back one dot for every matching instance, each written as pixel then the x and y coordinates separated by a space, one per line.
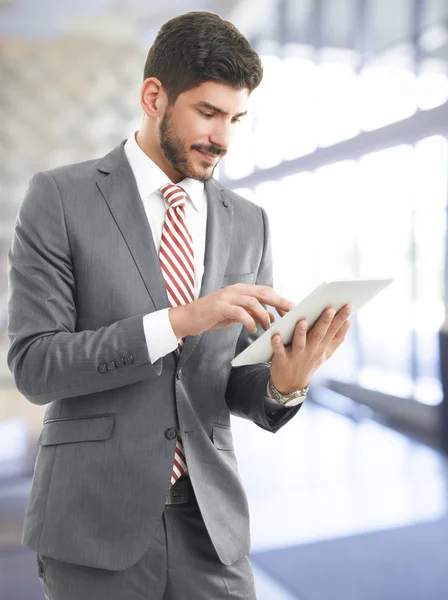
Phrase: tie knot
pixel 174 195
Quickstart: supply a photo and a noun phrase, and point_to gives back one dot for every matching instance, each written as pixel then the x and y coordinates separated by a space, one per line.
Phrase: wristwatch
pixel 287 399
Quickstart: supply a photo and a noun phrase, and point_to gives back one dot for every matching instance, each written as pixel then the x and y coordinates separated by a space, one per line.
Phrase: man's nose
pixel 221 136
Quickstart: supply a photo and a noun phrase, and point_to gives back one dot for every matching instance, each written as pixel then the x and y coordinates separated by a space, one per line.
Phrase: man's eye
pixel 207 115
pixel 236 120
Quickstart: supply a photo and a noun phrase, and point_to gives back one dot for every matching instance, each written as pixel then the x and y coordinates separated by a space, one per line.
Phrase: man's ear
pixel 153 97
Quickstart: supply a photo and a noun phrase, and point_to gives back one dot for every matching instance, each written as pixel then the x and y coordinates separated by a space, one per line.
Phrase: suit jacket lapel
pixel 120 192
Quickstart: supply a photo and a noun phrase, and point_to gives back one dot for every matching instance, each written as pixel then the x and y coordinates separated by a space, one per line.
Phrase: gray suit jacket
pixel 83 270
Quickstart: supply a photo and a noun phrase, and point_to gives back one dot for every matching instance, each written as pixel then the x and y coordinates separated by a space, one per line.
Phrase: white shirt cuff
pixel 159 334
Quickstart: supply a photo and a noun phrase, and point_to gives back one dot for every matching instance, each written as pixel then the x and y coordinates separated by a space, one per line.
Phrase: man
pixel 134 281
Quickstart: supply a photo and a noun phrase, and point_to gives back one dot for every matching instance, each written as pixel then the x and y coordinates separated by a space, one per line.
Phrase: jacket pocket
pixel 222 437
pixel 78 429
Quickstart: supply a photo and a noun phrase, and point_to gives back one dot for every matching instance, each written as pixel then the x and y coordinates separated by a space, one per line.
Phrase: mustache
pixel 210 150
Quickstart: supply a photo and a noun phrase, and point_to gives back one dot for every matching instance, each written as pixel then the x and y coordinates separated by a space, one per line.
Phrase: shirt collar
pixel 150 178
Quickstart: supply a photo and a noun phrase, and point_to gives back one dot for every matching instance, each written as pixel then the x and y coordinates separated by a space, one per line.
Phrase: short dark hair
pixel 196 47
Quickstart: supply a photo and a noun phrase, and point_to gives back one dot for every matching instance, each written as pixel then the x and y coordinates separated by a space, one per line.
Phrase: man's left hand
pixel 292 367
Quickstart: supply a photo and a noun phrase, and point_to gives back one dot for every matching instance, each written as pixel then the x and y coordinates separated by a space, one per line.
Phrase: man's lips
pixel 207 156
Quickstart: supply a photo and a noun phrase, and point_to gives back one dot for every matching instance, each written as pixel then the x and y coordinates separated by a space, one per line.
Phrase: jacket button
pixel 102 368
pixel 111 366
pixel 179 374
pixel 120 362
pixel 128 359
pixel 170 434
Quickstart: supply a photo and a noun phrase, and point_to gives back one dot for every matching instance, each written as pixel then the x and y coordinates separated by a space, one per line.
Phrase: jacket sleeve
pixel 48 359
pixel 246 392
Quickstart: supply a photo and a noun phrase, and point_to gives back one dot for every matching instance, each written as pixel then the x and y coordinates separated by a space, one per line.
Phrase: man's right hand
pixel 237 303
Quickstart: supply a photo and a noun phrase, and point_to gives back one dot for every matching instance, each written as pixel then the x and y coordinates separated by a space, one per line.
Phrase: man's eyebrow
pixel 209 106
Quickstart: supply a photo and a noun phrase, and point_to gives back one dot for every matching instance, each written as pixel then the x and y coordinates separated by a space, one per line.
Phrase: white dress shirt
pixel 159 334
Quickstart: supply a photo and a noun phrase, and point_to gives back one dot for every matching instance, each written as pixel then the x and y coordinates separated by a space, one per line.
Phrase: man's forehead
pixel 219 97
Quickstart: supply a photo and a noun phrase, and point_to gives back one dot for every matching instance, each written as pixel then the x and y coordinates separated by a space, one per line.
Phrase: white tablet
pixel 332 294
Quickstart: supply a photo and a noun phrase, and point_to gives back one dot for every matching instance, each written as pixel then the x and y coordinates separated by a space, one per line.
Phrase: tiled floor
pixel 322 476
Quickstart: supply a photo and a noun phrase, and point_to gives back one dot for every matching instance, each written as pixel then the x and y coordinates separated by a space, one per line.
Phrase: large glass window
pixel 383 214
pixel 387 93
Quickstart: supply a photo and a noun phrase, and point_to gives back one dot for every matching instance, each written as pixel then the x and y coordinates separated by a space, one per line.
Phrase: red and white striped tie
pixel 176 258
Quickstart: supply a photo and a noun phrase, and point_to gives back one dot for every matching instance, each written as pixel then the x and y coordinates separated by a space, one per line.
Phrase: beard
pixel 177 154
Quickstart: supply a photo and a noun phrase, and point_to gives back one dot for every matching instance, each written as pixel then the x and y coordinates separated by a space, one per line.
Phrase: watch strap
pixel 286 398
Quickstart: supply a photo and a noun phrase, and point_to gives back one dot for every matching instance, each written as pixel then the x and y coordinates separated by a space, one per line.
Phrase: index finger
pixel 266 295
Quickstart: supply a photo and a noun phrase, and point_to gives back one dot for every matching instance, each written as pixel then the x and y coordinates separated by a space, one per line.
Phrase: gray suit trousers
pixel 180 564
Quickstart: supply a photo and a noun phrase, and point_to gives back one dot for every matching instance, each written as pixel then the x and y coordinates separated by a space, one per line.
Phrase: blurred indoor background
pixel 346 147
